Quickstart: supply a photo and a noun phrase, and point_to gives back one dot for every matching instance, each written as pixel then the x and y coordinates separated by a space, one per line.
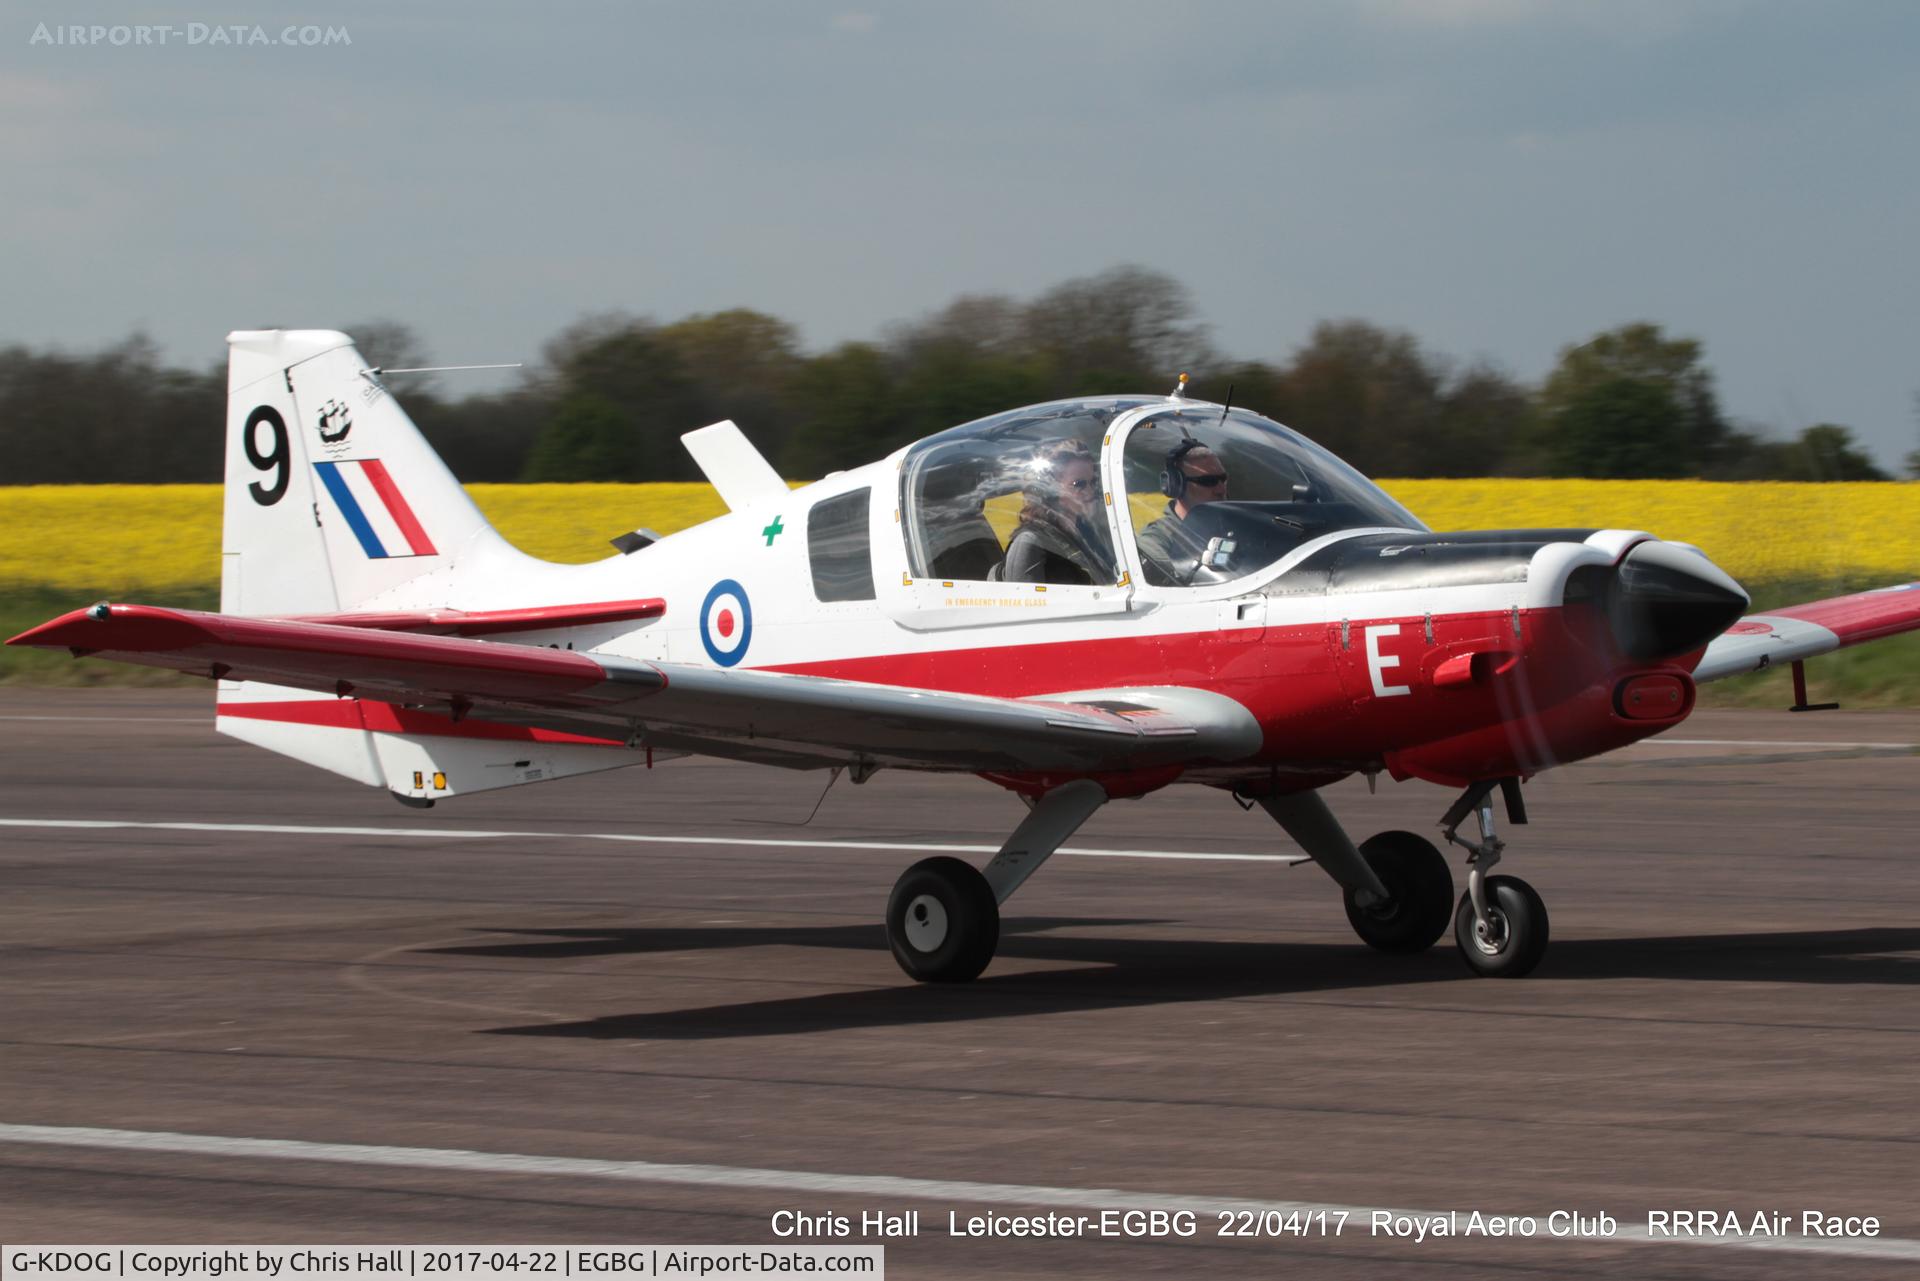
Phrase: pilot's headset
pixel 1173 481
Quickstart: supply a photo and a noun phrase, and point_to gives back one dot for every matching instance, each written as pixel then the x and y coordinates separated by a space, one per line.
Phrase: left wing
pixel 769 716
pixel 1804 631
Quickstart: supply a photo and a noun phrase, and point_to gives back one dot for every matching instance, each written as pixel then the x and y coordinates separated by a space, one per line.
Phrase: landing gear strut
pixel 943 917
pixel 1501 923
pixel 1419 900
pixel 1397 889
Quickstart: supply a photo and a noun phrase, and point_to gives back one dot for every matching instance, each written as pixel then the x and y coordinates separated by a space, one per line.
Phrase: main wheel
pixel 1518 937
pixel 942 921
pixel 1419 889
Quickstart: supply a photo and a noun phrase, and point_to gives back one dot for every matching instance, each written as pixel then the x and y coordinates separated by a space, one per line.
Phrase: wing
pixel 459 622
pixel 1803 631
pixel 768 716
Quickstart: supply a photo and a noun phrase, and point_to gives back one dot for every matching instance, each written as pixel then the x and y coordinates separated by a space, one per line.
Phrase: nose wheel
pixel 1512 936
pixel 1500 924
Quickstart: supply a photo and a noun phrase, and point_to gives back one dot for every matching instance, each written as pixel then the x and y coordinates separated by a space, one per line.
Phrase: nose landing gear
pixel 1501 923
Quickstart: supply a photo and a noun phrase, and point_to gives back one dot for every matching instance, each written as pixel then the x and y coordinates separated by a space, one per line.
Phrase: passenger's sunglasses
pixel 1210 481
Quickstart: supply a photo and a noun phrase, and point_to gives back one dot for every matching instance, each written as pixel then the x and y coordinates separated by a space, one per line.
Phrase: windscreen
pixel 1216 497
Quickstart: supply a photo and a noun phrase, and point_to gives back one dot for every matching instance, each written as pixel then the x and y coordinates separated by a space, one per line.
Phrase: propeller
pixel 1557 689
pixel 1661 601
pixel 1668 600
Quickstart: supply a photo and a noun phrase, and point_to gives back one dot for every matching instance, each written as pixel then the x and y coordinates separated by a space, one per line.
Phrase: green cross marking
pixel 773 531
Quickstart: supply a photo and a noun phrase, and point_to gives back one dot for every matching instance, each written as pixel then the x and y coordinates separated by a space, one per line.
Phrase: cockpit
pixel 1123 489
pixel 1029 477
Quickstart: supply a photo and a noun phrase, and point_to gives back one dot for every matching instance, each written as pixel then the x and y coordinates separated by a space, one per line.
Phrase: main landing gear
pixel 1399 891
pixel 943 917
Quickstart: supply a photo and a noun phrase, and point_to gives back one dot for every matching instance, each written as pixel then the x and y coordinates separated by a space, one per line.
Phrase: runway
pixel 243 1000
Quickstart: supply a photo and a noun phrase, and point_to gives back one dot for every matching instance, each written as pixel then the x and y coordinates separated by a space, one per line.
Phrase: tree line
pixel 611 395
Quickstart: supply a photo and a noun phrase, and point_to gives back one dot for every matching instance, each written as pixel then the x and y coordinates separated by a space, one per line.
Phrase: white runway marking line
pixel 117 720
pixel 471 834
pixel 1360 1217
pixel 1758 742
pixel 1645 742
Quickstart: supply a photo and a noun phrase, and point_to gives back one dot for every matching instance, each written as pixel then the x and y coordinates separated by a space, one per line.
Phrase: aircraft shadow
pixel 563 944
pixel 1870 955
pixel 1120 972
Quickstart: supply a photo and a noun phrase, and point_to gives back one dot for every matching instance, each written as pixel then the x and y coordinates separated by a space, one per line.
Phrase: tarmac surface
pixel 1728 1018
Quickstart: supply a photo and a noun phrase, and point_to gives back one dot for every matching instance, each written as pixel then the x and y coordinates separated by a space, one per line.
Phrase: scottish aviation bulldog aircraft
pixel 1079 601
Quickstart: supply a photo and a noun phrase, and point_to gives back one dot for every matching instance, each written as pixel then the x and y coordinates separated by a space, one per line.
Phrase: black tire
pixel 942 921
pixel 1420 889
pixel 1521 919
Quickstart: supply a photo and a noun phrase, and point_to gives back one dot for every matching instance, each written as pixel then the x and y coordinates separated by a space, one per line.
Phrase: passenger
pixel 1194 477
pixel 1059 539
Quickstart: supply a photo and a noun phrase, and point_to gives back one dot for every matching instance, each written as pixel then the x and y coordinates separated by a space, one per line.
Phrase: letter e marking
pixel 1377 663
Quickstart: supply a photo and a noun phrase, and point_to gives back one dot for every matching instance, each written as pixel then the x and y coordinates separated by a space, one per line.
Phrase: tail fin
pixel 335 502
pixel 334 499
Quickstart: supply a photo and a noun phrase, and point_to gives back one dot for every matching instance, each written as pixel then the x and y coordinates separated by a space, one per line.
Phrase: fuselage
pixel 1366 646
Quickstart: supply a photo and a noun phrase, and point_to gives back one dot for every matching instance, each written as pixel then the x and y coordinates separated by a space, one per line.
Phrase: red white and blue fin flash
pixel 375 509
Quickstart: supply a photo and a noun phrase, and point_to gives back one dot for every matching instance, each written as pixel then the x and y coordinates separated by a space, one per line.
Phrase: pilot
pixel 1058 539
pixel 1194 477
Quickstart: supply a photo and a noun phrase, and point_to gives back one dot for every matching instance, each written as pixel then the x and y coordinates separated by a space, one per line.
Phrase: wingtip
pixel 55 633
pixel 134 627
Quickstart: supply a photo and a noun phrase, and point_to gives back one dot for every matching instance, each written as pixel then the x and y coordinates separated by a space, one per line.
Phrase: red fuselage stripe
pixel 1022 671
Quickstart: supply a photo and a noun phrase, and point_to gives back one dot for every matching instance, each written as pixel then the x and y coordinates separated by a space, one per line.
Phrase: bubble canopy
pixel 1247 491
pixel 1051 493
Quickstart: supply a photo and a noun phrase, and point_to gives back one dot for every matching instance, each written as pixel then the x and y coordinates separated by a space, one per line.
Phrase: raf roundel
pixel 726 623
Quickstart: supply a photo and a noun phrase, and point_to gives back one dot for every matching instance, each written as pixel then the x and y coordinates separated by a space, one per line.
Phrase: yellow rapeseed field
pixel 1762 531
pixel 162 537
pixel 573 522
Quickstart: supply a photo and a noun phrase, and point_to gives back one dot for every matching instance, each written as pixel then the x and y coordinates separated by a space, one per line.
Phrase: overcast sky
pixel 1500 177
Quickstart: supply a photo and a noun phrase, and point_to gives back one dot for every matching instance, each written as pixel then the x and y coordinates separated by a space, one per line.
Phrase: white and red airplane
pixel 1080 601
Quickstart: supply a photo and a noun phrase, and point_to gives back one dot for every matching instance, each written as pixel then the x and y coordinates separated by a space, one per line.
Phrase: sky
pixel 1499 177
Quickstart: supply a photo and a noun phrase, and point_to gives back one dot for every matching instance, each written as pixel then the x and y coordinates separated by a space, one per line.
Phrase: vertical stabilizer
pixel 334 499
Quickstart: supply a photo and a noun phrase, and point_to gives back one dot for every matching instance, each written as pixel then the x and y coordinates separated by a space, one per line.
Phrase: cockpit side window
pixel 839 551
pixel 1214 496
pixel 1014 498
pixel 949 534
